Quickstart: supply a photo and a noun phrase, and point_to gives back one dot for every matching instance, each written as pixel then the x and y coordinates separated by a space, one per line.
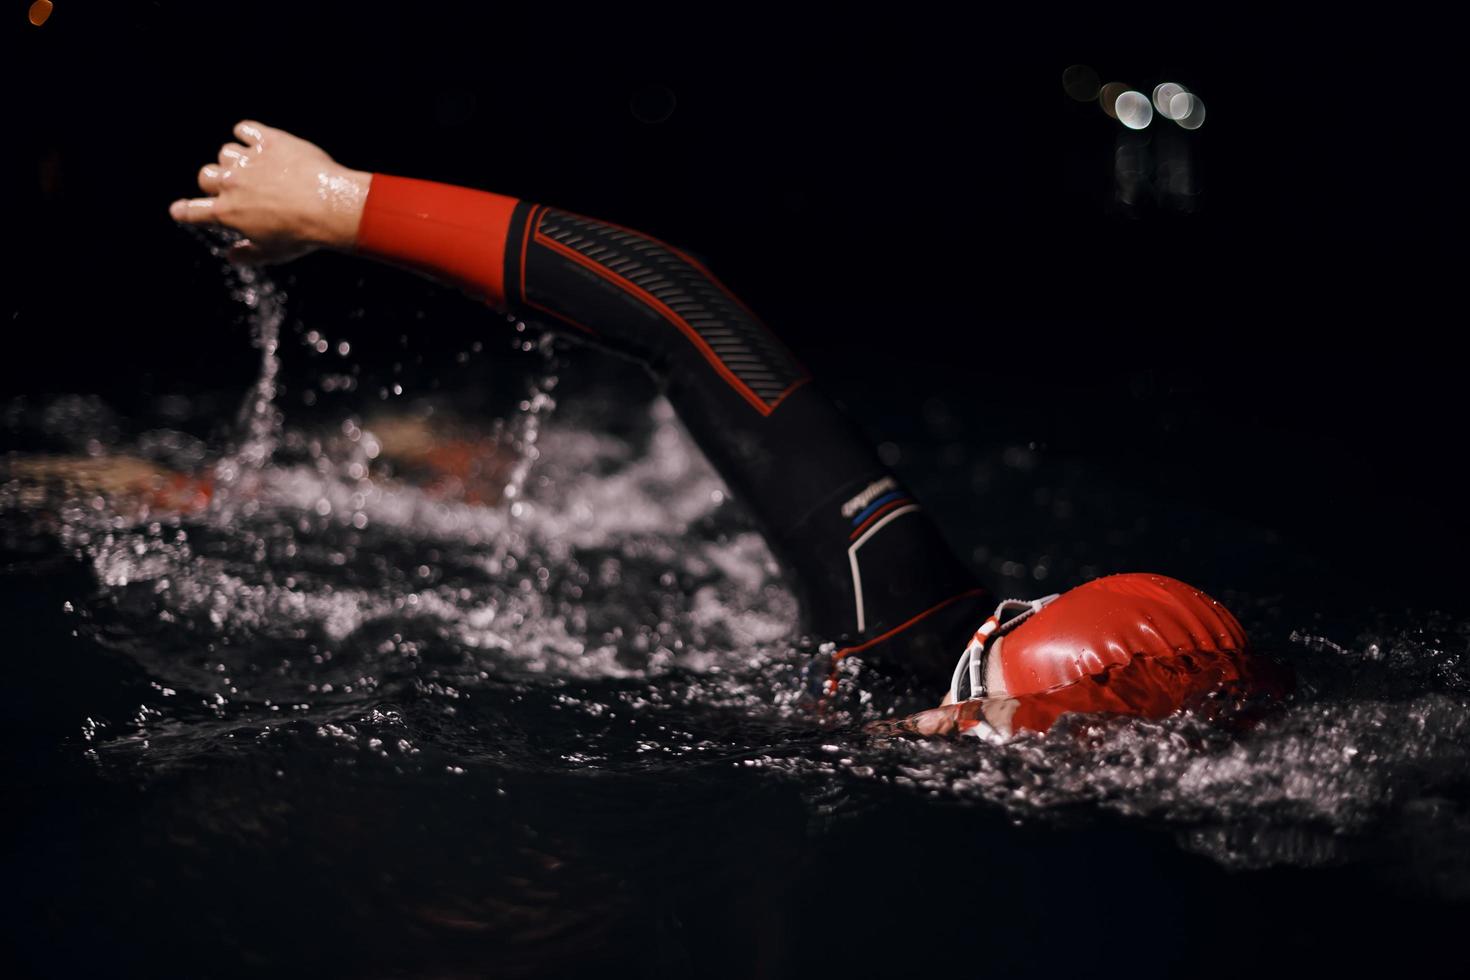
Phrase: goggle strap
pixel 972 661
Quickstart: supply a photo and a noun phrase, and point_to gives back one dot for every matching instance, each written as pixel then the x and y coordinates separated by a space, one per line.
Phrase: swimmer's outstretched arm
pixel 875 572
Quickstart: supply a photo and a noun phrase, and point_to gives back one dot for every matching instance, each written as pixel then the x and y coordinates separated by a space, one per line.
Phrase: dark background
pixel 910 199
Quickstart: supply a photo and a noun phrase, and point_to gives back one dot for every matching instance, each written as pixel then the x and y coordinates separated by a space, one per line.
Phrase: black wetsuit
pixel 873 572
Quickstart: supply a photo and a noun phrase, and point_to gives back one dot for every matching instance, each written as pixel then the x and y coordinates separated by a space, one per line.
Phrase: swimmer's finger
pixel 251 133
pixel 233 154
pixel 194 211
pixel 209 177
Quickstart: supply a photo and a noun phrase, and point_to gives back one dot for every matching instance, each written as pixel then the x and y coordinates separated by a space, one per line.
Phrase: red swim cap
pixel 1133 644
pixel 1107 623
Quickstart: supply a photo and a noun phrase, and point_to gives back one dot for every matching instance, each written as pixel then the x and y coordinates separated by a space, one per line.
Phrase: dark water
pixel 341 725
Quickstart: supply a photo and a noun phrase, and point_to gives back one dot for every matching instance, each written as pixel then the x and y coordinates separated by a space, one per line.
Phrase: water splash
pixel 524 429
pixel 260 418
pixel 630 619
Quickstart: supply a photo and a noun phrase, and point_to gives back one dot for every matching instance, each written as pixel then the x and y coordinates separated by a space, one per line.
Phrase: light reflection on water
pixel 1154 171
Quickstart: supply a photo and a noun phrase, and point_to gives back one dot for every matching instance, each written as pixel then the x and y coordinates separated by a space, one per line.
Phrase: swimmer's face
pixel 996 708
pixel 979 716
pixel 991 712
pixel 947 719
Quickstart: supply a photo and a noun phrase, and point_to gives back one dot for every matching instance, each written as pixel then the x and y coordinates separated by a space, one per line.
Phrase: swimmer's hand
pixel 283 194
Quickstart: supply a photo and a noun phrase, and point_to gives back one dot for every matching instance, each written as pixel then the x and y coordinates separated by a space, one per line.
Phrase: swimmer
pixel 875 576
pixel 433 451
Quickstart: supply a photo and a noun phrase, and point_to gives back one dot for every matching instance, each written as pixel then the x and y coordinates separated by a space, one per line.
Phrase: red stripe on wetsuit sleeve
pixel 452 233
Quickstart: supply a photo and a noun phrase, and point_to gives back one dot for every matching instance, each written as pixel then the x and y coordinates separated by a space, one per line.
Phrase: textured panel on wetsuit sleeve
pixel 730 334
pixel 873 571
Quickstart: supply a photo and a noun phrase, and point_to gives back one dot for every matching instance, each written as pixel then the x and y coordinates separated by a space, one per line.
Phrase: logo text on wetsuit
pixel 870 493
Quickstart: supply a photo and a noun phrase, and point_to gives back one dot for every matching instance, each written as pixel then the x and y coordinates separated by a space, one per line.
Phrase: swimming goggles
pixel 968 682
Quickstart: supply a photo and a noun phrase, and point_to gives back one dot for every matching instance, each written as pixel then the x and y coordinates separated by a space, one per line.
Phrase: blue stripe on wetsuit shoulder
pixel 886 498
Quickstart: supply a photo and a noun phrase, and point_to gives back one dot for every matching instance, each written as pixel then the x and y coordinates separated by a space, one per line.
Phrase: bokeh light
pixel 1109 95
pixel 1163 93
pixel 1134 110
pixel 1188 110
pixel 40 11
pixel 1080 82
pixel 652 104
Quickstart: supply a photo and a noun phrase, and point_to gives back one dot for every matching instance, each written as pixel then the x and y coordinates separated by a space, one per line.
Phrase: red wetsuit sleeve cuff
pixel 456 234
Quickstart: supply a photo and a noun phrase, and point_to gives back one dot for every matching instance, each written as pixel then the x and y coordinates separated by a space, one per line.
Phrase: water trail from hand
pixel 260 420
pixel 524 428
